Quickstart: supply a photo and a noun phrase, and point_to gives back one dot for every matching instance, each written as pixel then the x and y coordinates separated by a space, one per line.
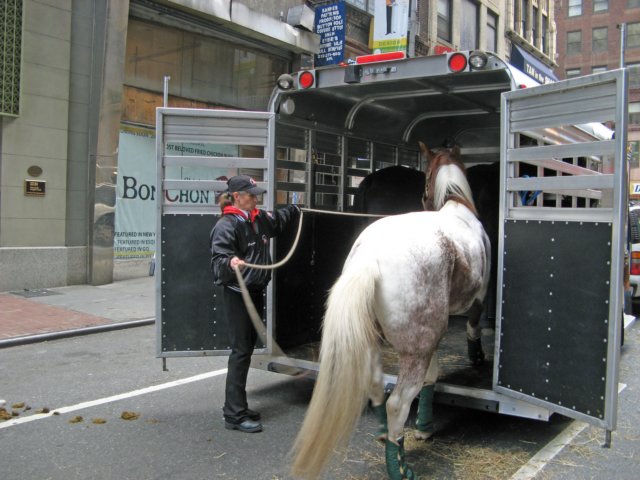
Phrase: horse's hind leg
pixel 410 379
pixel 377 395
pixel 474 334
pixel 424 422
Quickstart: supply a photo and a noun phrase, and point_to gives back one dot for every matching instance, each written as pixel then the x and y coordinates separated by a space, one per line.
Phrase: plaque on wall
pixel 34 188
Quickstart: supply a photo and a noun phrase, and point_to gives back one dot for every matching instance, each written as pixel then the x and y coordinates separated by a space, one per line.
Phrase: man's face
pixel 245 201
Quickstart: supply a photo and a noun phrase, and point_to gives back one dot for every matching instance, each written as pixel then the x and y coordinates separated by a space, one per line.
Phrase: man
pixel 242 235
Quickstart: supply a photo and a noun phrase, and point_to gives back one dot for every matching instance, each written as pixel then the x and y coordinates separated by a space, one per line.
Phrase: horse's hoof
pixel 474 350
pixel 397 468
pixel 420 435
pixel 381 437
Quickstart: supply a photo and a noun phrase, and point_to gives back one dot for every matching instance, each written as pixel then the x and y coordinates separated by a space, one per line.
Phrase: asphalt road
pixel 179 433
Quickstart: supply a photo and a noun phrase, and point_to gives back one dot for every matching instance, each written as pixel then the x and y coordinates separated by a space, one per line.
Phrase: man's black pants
pixel 242 339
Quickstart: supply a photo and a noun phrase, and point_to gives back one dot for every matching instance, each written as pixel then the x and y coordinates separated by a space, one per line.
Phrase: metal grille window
pixel 599 39
pixel 600 5
pixel 10 54
pixel 444 20
pixel 574 43
pixel 575 8
pixel 633 35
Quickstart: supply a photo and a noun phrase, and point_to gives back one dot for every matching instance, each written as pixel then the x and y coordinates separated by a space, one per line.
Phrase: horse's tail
pixel 348 338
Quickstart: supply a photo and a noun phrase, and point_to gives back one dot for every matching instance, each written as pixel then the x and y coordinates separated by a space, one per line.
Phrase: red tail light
pixel 306 79
pixel 635 263
pixel 457 62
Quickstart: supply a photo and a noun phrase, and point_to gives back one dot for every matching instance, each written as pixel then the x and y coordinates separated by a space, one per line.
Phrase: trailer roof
pixel 403 101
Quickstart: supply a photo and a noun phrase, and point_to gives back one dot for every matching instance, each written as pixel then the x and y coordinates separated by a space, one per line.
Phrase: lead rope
pixel 251 308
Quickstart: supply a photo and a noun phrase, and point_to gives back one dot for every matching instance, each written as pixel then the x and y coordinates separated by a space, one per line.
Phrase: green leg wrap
pixel 397 468
pixel 424 422
pixel 381 415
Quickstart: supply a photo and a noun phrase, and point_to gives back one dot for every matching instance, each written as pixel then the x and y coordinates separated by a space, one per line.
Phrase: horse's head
pixel 445 179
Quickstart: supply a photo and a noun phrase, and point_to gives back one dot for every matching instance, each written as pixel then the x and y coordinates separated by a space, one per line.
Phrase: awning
pixel 531 66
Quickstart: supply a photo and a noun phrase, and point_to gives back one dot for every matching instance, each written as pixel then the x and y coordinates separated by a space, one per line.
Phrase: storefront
pixel 208 68
pixel 531 66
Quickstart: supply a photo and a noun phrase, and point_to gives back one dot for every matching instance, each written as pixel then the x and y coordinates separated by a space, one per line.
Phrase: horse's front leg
pixel 474 334
pixel 410 379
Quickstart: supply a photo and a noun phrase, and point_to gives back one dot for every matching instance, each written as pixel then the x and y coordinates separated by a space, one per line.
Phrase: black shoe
pixel 246 426
pixel 253 415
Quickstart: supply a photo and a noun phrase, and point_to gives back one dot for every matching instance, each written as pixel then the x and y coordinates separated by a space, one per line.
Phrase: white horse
pixel 402 279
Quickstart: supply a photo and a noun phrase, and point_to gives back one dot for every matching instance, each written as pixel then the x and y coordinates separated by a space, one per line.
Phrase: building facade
pixel 85 75
pixel 79 94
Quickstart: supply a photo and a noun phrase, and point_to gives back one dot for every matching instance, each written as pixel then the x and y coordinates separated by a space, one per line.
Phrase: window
pixel 574 43
pixel 599 39
pixel 492 32
pixel 201 67
pixel 600 5
pixel 534 28
pixel 469 28
pixel 633 149
pixel 598 69
pixel 573 72
pixel 444 20
pixel 633 35
pixel 545 28
pixel 520 16
pixel 633 3
pixel 575 8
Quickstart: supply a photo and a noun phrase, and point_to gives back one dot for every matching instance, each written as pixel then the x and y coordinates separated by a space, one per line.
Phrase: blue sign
pixel 330 24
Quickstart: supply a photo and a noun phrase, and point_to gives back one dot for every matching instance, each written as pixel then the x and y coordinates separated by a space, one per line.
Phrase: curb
pixel 43 337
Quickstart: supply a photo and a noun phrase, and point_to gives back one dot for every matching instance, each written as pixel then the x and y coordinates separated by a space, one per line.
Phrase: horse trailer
pixel 552 336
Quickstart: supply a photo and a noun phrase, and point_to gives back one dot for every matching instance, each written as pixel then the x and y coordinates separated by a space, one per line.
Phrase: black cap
pixel 244 183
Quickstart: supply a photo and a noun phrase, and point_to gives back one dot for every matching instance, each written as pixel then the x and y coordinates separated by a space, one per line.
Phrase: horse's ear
pixel 428 154
pixel 455 151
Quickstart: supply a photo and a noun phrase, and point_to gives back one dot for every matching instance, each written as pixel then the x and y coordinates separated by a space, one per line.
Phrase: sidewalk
pixel 64 311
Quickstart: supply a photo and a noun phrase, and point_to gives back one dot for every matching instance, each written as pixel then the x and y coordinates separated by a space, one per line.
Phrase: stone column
pixel 105 108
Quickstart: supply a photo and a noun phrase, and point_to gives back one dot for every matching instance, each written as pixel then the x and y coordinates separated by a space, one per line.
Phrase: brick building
pixel 589 40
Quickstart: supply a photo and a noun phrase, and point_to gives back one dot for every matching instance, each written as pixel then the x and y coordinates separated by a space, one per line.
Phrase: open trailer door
pixel 197 150
pixel 561 247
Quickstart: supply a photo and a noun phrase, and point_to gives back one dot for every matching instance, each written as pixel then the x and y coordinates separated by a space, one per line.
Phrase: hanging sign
pixel 330 24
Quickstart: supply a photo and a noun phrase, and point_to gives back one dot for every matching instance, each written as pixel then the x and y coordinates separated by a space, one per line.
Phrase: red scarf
pixel 229 210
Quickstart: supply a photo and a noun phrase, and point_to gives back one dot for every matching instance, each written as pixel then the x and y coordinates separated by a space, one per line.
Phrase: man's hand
pixel 236 262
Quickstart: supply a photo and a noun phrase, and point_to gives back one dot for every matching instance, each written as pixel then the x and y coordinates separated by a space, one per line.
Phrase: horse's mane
pixel 449 181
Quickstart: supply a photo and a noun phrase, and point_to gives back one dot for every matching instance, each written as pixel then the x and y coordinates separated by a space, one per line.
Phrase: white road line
pixel 530 469
pixel 114 398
